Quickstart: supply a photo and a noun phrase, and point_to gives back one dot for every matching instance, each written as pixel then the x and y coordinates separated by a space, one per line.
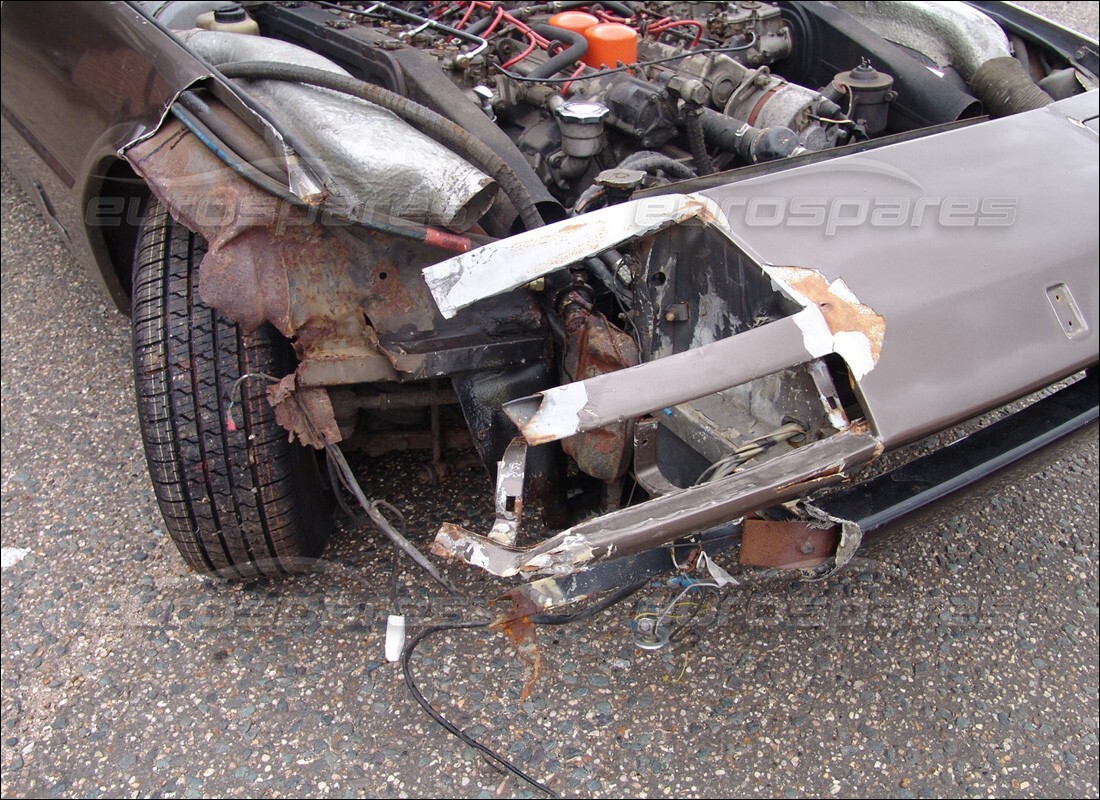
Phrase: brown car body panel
pixel 80 81
pixel 968 317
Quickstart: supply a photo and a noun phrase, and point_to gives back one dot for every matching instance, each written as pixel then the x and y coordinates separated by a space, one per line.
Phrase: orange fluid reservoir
pixel 609 43
pixel 576 21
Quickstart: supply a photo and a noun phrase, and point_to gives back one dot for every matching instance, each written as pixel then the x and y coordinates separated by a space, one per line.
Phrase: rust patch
pixel 306 412
pixel 596 347
pixel 843 313
pixel 517 627
pixel 270 261
pixel 786 545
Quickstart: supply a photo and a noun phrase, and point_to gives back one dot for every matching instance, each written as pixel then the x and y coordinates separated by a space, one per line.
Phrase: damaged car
pixel 675 271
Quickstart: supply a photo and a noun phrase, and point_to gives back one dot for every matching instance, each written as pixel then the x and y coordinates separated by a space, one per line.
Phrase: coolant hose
pixel 648 161
pixel 577 47
pixel 1004 87
pixel 423 119
pixel 693 128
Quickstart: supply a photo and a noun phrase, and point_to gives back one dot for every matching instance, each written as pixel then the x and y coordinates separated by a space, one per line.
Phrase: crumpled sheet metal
pixel 670 517
pixel 832 319
pixel 306 412
pixel 379 161
pixel 269 261
pixel 499 267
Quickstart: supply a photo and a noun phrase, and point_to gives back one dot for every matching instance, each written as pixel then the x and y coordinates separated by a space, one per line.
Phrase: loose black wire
pixel 538 619
pixel 451 728
pixel 591 610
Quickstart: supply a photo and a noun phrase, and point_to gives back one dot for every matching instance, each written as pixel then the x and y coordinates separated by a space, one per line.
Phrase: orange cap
pixel 576 21
pixel 610 43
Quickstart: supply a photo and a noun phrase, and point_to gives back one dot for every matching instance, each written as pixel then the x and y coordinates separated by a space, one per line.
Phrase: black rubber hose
pixel 475 28
pixel 577 47
pixel 423 119
pixel 644 161
pixel 250 149
pixel 1005 88
pixel 622 9
pixel 648 161
pixel 697 144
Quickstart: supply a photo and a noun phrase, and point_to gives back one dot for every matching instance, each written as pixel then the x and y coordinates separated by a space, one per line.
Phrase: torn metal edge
pixel 670 517
pixel 516 261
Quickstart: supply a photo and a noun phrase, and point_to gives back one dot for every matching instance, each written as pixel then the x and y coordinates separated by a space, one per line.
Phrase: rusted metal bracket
pixel 786 544
pixel 673 516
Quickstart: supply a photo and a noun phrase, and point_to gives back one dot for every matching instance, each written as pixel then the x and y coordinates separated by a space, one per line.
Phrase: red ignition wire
pixel 658 28
pixel 530 49
pixel 605 16
pixel 565 86
pixel 465 17
pixel 519 24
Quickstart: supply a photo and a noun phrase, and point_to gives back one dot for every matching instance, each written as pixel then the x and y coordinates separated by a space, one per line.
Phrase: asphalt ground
pixel 960 657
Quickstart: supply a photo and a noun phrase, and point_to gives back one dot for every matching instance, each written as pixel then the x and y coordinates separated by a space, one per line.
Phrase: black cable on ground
pixel 592 610
pixel 420 117
pixel 538 619
pixel 443 722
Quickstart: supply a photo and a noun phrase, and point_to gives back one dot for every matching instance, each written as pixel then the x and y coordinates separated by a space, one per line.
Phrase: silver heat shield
pixel 378 161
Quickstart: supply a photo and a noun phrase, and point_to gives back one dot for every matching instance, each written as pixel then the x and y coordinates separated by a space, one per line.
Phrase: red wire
pixel 465 17
pixel 565 86
pixel 530 49
pixel 660 27
pixel 606 17
pixel 492 27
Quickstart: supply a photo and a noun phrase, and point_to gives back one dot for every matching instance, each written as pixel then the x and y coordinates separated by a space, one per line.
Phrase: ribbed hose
pixel 578 46
pixel 383 223
pixel 693 128
pixel 423 119
pixel 1004 87
pixel 648 161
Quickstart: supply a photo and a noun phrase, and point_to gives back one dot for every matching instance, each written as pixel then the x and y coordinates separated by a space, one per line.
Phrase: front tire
pixel 238 504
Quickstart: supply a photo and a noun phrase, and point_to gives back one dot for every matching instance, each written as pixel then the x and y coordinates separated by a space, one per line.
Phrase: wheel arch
pixel 114 201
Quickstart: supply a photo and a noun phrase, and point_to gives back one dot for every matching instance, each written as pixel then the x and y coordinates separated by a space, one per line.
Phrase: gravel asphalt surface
pixel 958 658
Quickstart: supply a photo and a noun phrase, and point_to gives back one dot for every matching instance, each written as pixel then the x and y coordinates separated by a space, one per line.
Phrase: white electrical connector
pixel 395 636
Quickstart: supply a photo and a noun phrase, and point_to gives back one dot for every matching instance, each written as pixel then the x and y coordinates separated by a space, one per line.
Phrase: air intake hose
pixel 1004 87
